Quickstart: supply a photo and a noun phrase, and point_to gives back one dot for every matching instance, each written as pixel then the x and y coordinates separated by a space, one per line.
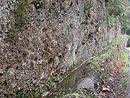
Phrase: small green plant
pixel 50 84
pixel 39 93
pixel 20 94
pixel 110 21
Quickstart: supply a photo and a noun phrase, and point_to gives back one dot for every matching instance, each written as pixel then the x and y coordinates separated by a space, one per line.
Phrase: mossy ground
pixel 21 18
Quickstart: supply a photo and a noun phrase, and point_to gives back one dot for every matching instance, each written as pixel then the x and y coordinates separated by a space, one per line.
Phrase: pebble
pixel 86 83
pixel 1 71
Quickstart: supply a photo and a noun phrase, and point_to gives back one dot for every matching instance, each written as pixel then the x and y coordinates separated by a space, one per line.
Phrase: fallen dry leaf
pixel 106 88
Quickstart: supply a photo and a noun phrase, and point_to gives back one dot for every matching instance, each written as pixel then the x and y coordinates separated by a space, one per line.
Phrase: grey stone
pixel 1 71
pixel 86 83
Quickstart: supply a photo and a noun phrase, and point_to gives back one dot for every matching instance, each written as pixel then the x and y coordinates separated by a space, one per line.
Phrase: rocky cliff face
pixel 59 34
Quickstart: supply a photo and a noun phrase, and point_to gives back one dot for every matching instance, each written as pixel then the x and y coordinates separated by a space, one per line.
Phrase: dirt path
pixel 116 86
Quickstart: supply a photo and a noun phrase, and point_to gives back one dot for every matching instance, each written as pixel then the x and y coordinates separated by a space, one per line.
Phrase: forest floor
pixel 116 85
pixel 110 82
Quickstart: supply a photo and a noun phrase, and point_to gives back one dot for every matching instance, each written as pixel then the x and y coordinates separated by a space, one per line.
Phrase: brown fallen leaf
pixel 106 88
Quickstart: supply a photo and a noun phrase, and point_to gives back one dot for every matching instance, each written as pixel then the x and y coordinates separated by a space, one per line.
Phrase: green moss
pixel 124 83
pixel 88 5
pixel 95 62
pixel 124 56
pixel 20 94
pixel 38 94
pixel 125 69
pixel 21 16
pixel 35 94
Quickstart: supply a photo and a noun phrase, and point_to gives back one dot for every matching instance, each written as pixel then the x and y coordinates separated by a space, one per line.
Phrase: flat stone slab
pixel 86 83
